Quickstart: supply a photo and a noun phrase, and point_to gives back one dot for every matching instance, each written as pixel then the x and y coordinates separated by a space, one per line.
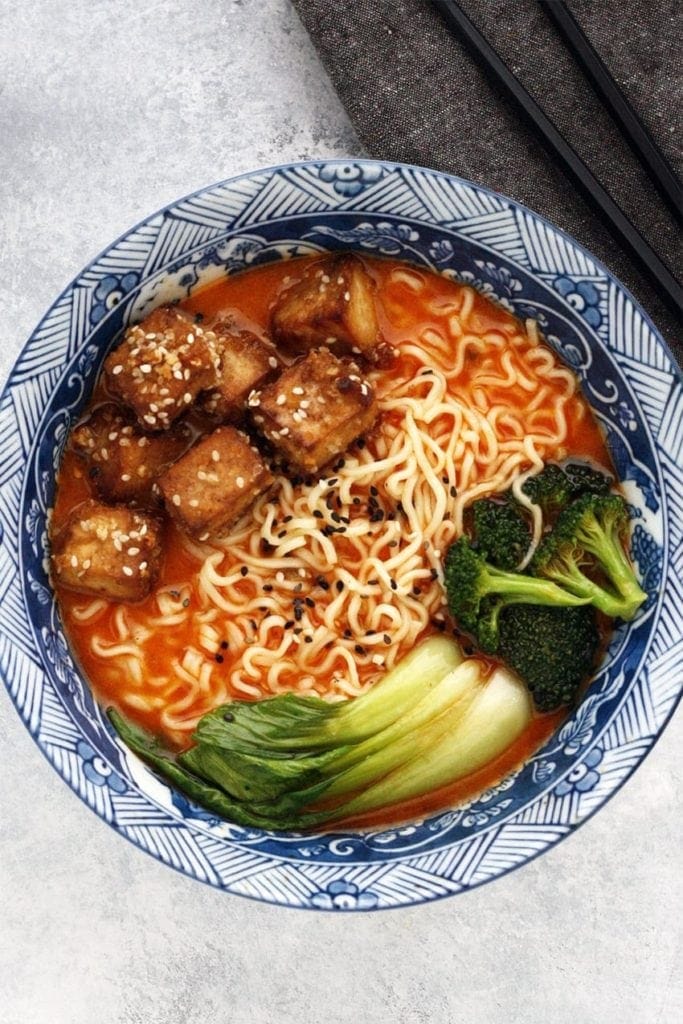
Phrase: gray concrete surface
pixel 110 110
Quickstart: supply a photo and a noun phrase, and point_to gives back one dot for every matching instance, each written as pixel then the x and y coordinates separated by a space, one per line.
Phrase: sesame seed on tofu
pixel 212 485
pixel 311 435
pixel 107 551
pixel 161 366
pixel 245 363
pixel 333 304
pixel 123 463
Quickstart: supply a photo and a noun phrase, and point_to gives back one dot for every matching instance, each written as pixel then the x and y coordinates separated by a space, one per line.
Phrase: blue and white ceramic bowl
pixel 511 255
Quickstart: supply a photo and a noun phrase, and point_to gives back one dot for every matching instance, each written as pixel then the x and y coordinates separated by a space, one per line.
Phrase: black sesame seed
pixel 267 587
pixel 386 638
pixel 308 639
pixel 310 602
pixel 453 492
pixel 322 583
pixel 219 659
pixel 298 588
pixel 373 491
pixel 198 318
pixel 393 584
pixel 348 634
pixel 318 514
pixel 224 645
pixel 228 717
pixel 359 649
pixel 416 591
pixel 289 623
pixel 287 519
pixel 340 585
pixel 332 481
pixel 356 500
pixel 360 443
pixel 244 570
pixel 434 574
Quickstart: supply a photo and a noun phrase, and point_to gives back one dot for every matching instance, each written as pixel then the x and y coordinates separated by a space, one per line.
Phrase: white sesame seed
pixel 116 370
pixel 125 477
pixel 127 571
pixel 145 368
pixel 133 552
pixel 272 362
pixel 240 481
pixel 298 391
pixel 281 399
pixel 194 503
pixel 187 398
pixel 304 403
pixel 143 566
pixel 190 338
pixel 284 432
pixel 216 455
pixel 74 561
pixel 87 563
pixel 347 296
pixel 176 499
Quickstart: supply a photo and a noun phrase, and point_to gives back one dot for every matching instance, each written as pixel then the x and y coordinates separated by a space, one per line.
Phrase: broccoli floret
pixel 586 480
pixel 589 534
pixel 501 532
pixel 556 486
pixel 477 592
pixel 552 649
pixel 551 489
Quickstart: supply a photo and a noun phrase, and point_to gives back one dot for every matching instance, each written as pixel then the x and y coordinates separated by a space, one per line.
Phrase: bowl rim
pixel 389 166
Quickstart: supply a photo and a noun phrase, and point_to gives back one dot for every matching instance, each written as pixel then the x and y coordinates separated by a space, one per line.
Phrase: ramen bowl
pixel 516 259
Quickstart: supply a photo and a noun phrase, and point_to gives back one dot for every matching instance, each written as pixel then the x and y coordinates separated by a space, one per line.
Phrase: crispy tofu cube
pixel 332 304
pixel 246 362
pixel 316 408
pixel 108 551
pixel 208 490
pixel 123 463
pixel 161 366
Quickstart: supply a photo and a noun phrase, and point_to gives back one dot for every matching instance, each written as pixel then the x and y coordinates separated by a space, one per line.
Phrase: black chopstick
pixel 634 131
pixel 573 166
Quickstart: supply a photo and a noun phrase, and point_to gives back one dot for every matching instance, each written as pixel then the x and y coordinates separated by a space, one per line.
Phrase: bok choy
pixel 299 762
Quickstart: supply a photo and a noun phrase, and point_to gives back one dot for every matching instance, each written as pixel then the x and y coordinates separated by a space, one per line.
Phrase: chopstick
pixel 570 162
pixel 634 131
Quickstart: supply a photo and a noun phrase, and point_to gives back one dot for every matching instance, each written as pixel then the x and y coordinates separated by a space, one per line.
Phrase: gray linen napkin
pixel 415 95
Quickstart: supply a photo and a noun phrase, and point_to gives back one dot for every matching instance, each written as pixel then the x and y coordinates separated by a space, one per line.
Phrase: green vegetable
pixel 290 722
pixel 556 486
pixel 501 532
pixel 478 591
pixel 552 649
pixel 299 762
pixel 589 535
pixel 497 716
pixel 551 489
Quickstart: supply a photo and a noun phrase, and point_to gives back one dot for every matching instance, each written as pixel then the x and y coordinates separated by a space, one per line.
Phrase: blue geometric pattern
pixel 466 233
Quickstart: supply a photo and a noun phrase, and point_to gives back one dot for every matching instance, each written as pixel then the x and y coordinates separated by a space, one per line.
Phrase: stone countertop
pixel 111 110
